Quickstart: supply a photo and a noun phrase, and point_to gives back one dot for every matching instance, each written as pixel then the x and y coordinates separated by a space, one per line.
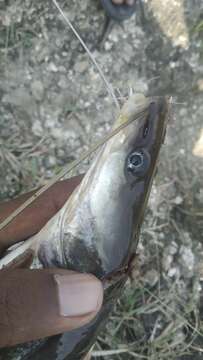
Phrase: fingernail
pixel 78 294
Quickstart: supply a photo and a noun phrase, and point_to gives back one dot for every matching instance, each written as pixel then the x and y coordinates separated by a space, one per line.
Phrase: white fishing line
pixel 99 69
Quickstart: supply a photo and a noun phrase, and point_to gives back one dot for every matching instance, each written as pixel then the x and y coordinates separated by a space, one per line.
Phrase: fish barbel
pixel 97 229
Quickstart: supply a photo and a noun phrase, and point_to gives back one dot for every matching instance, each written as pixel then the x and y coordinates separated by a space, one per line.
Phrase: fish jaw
pixel 99 222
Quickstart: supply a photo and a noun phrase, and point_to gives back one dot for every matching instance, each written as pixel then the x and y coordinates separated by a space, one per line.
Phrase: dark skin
pixel 29 300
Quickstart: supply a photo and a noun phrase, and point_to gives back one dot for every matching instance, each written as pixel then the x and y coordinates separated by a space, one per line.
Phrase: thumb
pixel 40 303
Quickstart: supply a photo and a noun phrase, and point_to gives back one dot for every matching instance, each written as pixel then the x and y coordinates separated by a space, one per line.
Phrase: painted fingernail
pixel 78 294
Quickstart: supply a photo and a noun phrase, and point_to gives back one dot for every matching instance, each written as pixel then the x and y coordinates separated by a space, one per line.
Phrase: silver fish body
pixel 98 223
pixel 98 228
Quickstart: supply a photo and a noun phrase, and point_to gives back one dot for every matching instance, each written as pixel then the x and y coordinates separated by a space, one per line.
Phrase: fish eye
pixel 135 160
pixel 138 162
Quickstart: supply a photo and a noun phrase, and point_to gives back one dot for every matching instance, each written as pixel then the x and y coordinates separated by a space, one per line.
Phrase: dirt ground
pixel 54 106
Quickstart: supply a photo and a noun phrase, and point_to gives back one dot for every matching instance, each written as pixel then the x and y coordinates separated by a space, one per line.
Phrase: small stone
pixel 81 66
pixel 151 277
pixel 87 104
pixel 187 260
pixel 174 272
pixel 172 249
pixel 198 147
pixel 113 36
pixel 187 239
pixel 57 133
pixel 173 64
pixel 50 162
pixel 161 236
pixel 52 67
pixel 200 84
pixel 6 20
pixel 42 52
pixel 60 153
pixel 58 42
pixel 183 112
pixel 167 261
pixel 62 69
pixel 63 82
pixel 50 122
pixel 37 128
pixel 178 200
pixel 37 89
pixel 73 129
pixel 108 45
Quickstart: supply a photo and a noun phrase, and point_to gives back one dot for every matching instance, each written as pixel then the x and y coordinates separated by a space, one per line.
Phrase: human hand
pixel 40 303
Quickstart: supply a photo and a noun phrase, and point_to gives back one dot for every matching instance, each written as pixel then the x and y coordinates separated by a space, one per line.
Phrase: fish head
pixel 103 216
pixel 121 176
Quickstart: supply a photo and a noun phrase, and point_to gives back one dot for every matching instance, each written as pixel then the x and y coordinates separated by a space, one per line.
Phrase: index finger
pixel 36 215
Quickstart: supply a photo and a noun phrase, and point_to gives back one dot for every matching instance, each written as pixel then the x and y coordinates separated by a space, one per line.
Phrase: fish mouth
pixel 154 128
pixel 147 134
pixel 146 112
pixel 147 131
pixel 147 137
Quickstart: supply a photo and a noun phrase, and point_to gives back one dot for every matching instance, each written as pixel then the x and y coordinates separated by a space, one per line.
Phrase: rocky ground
pixel 54 106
